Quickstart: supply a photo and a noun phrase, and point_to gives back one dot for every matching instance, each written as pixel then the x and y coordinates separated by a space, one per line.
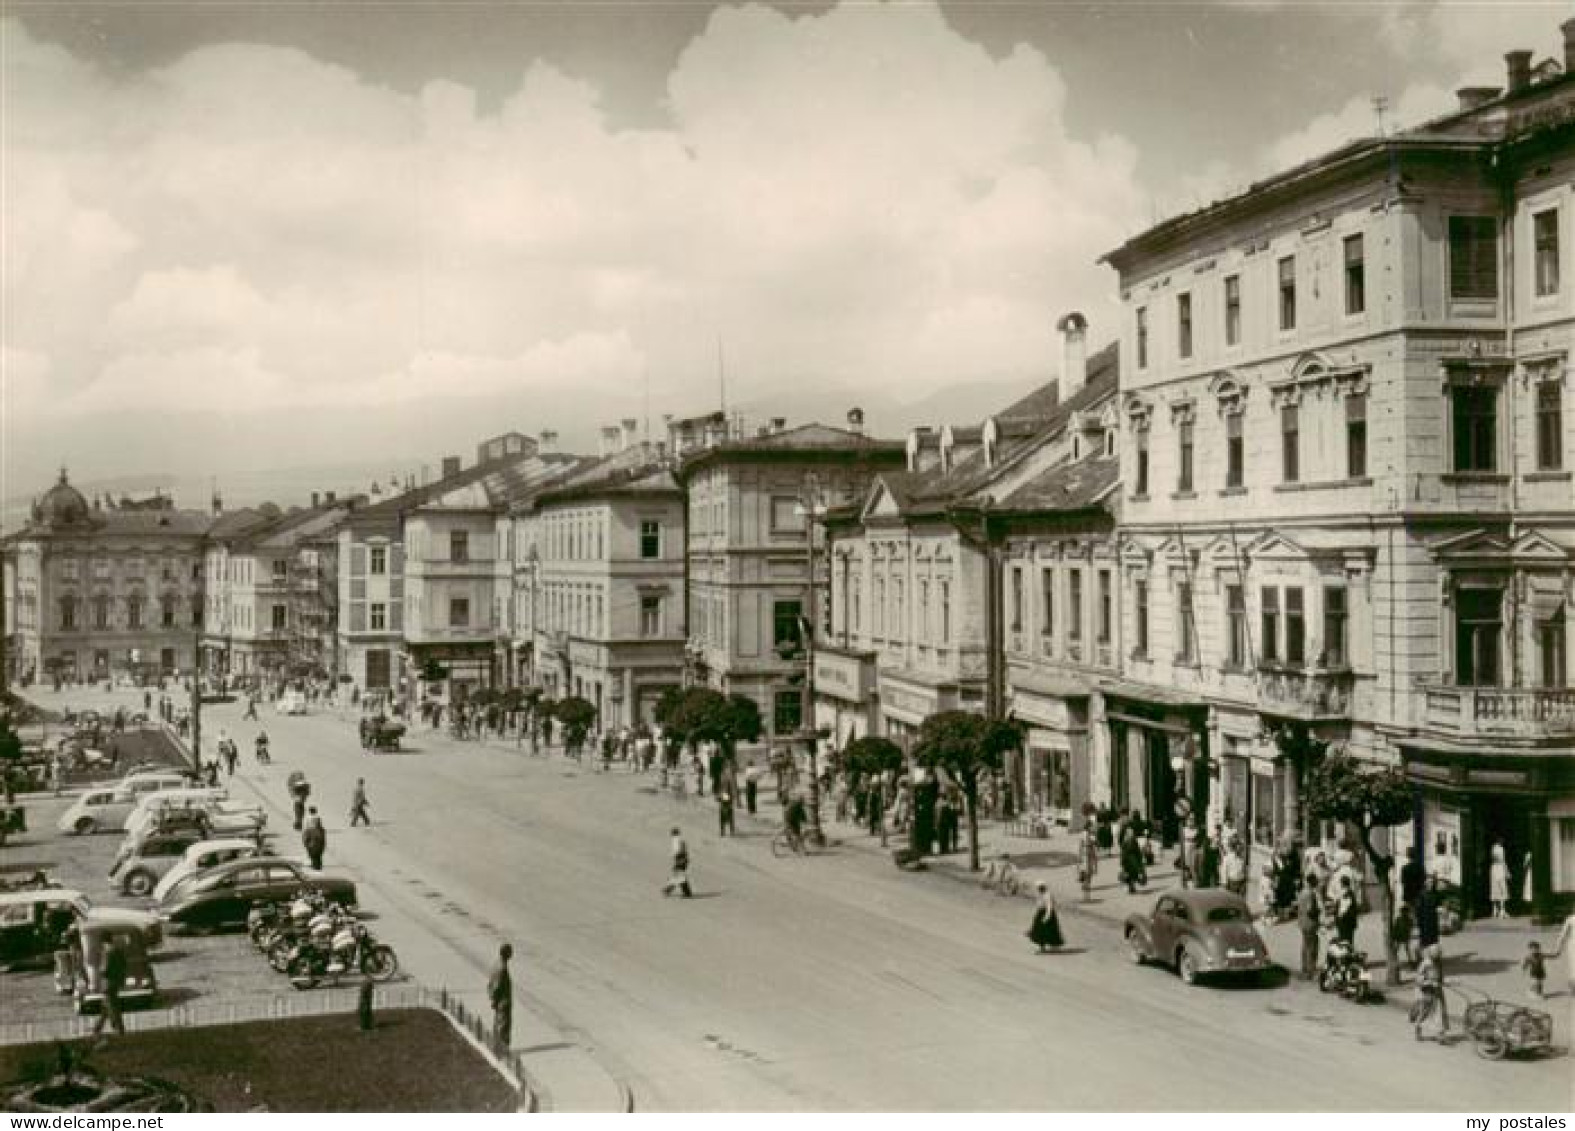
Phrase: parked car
pixel 1200 931
pixel 203 855
pixel 32 923
pixel 143 860
pixel 216 817
pixel 223 895
pixel 141 985
pixel 167 799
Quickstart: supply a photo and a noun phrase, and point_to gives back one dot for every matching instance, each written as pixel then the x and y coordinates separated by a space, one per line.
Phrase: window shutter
pixel 358 617
pixel 396 617
pixel 358 561
pixel 396 560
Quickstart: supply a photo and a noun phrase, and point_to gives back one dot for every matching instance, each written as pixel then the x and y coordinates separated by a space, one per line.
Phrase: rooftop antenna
pixel 721 374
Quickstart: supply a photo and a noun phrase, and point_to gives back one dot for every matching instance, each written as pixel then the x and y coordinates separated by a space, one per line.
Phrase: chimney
pixel 450 466
pixel 549 442
pixel 328 496
pixel 1568 28
pixel 1074 352
pixel 609 440
pixel 630 427
pixel 218 503
pixel 1518 64
pixel 1473 96
pixel 778 423
pixel 856 421
pixel 314 500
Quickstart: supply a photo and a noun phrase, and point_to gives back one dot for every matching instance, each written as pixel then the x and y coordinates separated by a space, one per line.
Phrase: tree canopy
pixel 701 714
pixel 870 756
pixel 577 717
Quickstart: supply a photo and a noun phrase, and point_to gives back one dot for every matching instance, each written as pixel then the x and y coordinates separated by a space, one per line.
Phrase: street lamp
pixel 812 506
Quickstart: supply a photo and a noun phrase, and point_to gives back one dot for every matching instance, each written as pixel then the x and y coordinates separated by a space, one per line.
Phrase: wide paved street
pixel 829 983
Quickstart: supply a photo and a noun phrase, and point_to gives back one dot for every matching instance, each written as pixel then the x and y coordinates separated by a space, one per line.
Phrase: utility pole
pixel 811 501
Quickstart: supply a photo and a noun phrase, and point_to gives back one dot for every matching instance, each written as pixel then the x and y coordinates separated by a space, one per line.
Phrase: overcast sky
pixel 237 235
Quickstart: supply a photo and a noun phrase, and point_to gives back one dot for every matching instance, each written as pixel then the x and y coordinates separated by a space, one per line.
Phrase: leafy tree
pixel 1340 788
pixel 577 716
pixel 966 745
pixel 870 757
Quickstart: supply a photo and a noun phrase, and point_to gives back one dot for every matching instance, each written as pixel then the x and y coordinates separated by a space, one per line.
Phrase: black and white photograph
pixel 856 556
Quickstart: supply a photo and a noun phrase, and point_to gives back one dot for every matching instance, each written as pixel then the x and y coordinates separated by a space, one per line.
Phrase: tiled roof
pixel 638 467
pixel 806 437
pixel 1065 487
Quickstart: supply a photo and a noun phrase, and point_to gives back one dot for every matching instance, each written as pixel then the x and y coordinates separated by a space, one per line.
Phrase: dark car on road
pixel 1199 931
pixel 223 895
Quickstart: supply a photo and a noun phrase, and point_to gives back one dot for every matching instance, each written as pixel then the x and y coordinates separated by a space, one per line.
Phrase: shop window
pixel 1478 627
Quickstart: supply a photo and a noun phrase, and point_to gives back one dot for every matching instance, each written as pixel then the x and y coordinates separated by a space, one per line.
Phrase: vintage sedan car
pixel 203 855
pixel 222 896
pixel 87 983
pixel 143 860
pixel 1200 931
pixel 32 923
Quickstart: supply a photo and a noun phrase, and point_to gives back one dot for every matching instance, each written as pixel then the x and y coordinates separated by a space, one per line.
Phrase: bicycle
pixel 1001 876
pixel 786 844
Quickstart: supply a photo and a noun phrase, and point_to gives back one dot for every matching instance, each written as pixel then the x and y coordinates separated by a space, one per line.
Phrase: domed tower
pixel 62 507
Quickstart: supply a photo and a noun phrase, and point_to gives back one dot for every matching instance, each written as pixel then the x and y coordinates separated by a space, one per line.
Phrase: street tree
pixel 870 756
pixel 966 745
pixel 1340 788
pixel 577 716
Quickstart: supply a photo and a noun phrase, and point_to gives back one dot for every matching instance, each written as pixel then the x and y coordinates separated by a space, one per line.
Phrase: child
pixel 1404 926
pixel 1430 993
pixel 1535 966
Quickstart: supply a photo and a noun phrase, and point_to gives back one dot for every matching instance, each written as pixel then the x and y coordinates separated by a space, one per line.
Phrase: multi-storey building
pixel 105 589
pixel 940 575
pixel 1348 511
pixel 608 584
pixel 748 520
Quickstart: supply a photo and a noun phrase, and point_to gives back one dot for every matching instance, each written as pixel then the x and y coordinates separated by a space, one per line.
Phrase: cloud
pixel 1358 118
pixel 1464 43
pixel 859 196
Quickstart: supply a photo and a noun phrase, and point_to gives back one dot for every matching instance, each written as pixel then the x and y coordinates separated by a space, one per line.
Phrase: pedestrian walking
pixel 1565 945
pixel 751 788
pixel 260 748
pixel 724 812
pixel 1088 860
pixel 1045 930
pixel 113 973
pixel 679 880
pixel 1536 967
pixel 1309 916
pixel 300 790
pixel 1133 871
pixel 1525 881
pixel 500 993
pixel 1347 912
pixel 1498 883
pixel 1234 867
pixel 314 838
pixel 1401 931
pixel 251 709
pixel 358 805
pixel 1413 878
pixel 1430 997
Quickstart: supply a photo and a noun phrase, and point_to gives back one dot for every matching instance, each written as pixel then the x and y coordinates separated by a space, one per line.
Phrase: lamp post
pixel 812 506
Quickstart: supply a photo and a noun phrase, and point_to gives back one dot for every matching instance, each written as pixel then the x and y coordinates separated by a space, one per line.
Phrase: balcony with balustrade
pixel 1499 712
pixel 1309 695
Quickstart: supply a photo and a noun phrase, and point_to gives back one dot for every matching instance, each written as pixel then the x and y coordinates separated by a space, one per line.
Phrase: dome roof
pixel 62 505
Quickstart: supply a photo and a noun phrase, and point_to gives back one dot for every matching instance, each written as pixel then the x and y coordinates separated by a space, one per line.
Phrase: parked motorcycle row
pixel 312 940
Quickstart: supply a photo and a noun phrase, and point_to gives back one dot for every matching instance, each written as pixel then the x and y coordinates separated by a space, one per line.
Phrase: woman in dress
pixel 1565 945
pixel 1498 883
pixel 1045 931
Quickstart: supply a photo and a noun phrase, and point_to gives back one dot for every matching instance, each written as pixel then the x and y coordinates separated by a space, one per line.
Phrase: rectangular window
pixel 1550 649
pixel 100 612
pixel 1185 625
pixel 167 612
pixel 1140 616
pixel 133 612
pixel 880 606
pixel 1102 626
pixel 1290 443
pixel 923 632
pixel 1047 601
pixel 650 616
pixel 276 615
pixel 786 631
pixel 1478 627
pixel 1355 276
pixel 1236 635
pixel 1074 604
pixel 946 612
pixel 1473 257
pixel 650 539
pixel 1356 436
pixel 1269 645
pixel 378 559
pixel 1288 293
pixel 1550 426
pixel 787 712
pixel 858 604
pixel 899 610
pixel 1184 456
pixel 1184 325
pixel 1334 628
pixel 377 616
pixel 68 569
pixel 1545 240
pixel 458 546
pixel 1140 442
pixel 459 612
pixel 281 571
pixel 196 612
pixel 1475 411
pixel 1017 600
pixel 1142 337
pixel 1232 310
pixel 1235 456
pixel 1295 628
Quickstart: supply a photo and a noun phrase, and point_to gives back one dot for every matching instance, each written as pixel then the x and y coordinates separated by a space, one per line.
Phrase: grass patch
pixel 412 1061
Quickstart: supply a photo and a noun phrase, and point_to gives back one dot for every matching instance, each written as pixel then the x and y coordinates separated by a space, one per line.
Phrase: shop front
pixel 908 699
pixel 1159 756
pixel 1053 774
pixel 846 705
pixel 1471 803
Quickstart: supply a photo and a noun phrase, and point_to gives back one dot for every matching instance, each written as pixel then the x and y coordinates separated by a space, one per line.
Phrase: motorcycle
pixel 330 951
pixel 1344 971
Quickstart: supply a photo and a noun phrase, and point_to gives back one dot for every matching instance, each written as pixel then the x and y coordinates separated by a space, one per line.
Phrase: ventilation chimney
pixel 549 442
pixel 1473 96
pixel 328 496
pixel 630 427
pixel 1568 28
pixel 314 500
pixel 778 424
pixel 609 440
pixel 450 466
pixel 218 503
pixel 1518 65
pixel 856 421
pixel 1074 352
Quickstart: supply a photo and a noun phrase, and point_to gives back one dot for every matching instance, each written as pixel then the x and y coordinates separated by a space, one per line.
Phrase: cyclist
pixel 262 748
pixel 793 821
